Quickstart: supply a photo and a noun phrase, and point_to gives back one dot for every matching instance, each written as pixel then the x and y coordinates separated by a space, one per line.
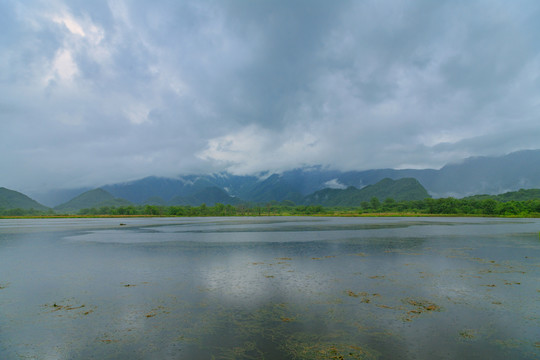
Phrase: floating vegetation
pixel 155 311
pixel 3 286
pixel 366 297
pixel 353 294
pixel 360 254
pixel 420 307
pixel 484 261
pixel 248 350
pixel 67 308
pixel 311 349
pixel 468 334
pixel 426 305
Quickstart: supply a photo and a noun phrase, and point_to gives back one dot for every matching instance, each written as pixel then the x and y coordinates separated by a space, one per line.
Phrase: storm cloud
pixel 105 91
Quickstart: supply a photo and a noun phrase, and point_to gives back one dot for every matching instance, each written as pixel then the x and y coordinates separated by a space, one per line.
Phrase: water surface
pixel 270 288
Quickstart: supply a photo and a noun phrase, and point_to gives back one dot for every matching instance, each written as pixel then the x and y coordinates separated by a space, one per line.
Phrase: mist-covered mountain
pixel 11 199
pixel 485 175
pixel 209 196
pixel 405 189
pixel 151 188
pixel 476 175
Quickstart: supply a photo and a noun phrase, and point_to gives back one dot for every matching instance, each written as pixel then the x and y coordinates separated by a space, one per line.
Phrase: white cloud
pixel 71 24
pixel 137 113
pixel 64 67
pixel 334 184
pixel 253 149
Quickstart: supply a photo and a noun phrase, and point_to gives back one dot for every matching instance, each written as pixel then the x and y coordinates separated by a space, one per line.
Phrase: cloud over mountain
pixel 106 91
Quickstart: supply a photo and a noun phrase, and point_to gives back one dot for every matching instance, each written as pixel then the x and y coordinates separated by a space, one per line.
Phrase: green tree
pixel 488 206
pixel 365 205
pixel 388 204
pixel 375 203
pixel 507 208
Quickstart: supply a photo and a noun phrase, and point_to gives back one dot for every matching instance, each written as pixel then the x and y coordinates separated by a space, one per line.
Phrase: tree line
pixel 441 206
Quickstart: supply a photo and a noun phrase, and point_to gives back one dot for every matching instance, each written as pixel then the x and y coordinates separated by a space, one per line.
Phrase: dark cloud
pixel 104 91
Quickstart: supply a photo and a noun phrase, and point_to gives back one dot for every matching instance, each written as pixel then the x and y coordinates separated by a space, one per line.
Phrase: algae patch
pixel 468 334
pixel 65 308
pixel 311 349
pixel 419 307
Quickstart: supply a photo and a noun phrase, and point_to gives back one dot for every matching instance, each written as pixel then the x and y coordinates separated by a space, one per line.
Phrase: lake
pixel 270 288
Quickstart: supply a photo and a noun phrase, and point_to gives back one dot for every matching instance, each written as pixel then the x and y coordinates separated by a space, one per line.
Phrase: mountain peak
pixel 89 199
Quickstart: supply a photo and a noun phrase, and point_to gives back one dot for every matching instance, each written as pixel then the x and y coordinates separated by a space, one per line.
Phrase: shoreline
pixel 337 214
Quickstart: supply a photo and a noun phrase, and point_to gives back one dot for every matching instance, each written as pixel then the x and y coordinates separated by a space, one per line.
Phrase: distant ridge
pixel 11 199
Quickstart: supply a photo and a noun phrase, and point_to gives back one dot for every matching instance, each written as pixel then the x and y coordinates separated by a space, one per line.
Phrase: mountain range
pixel 401 189
pixel 472 176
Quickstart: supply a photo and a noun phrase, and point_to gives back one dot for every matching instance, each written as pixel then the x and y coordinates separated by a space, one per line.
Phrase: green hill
pixel 520 195
pixel 10 199
pixel 91 199
pixel 399 190
pixel 155 200
pixel 209 196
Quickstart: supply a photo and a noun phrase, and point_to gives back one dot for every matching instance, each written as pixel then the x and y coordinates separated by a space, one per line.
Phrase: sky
pixel 99 92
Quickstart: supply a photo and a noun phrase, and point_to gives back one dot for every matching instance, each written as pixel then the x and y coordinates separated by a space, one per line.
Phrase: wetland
pixel 270 288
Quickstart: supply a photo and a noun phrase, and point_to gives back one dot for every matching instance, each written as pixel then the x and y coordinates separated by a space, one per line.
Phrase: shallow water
pixel 270 288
